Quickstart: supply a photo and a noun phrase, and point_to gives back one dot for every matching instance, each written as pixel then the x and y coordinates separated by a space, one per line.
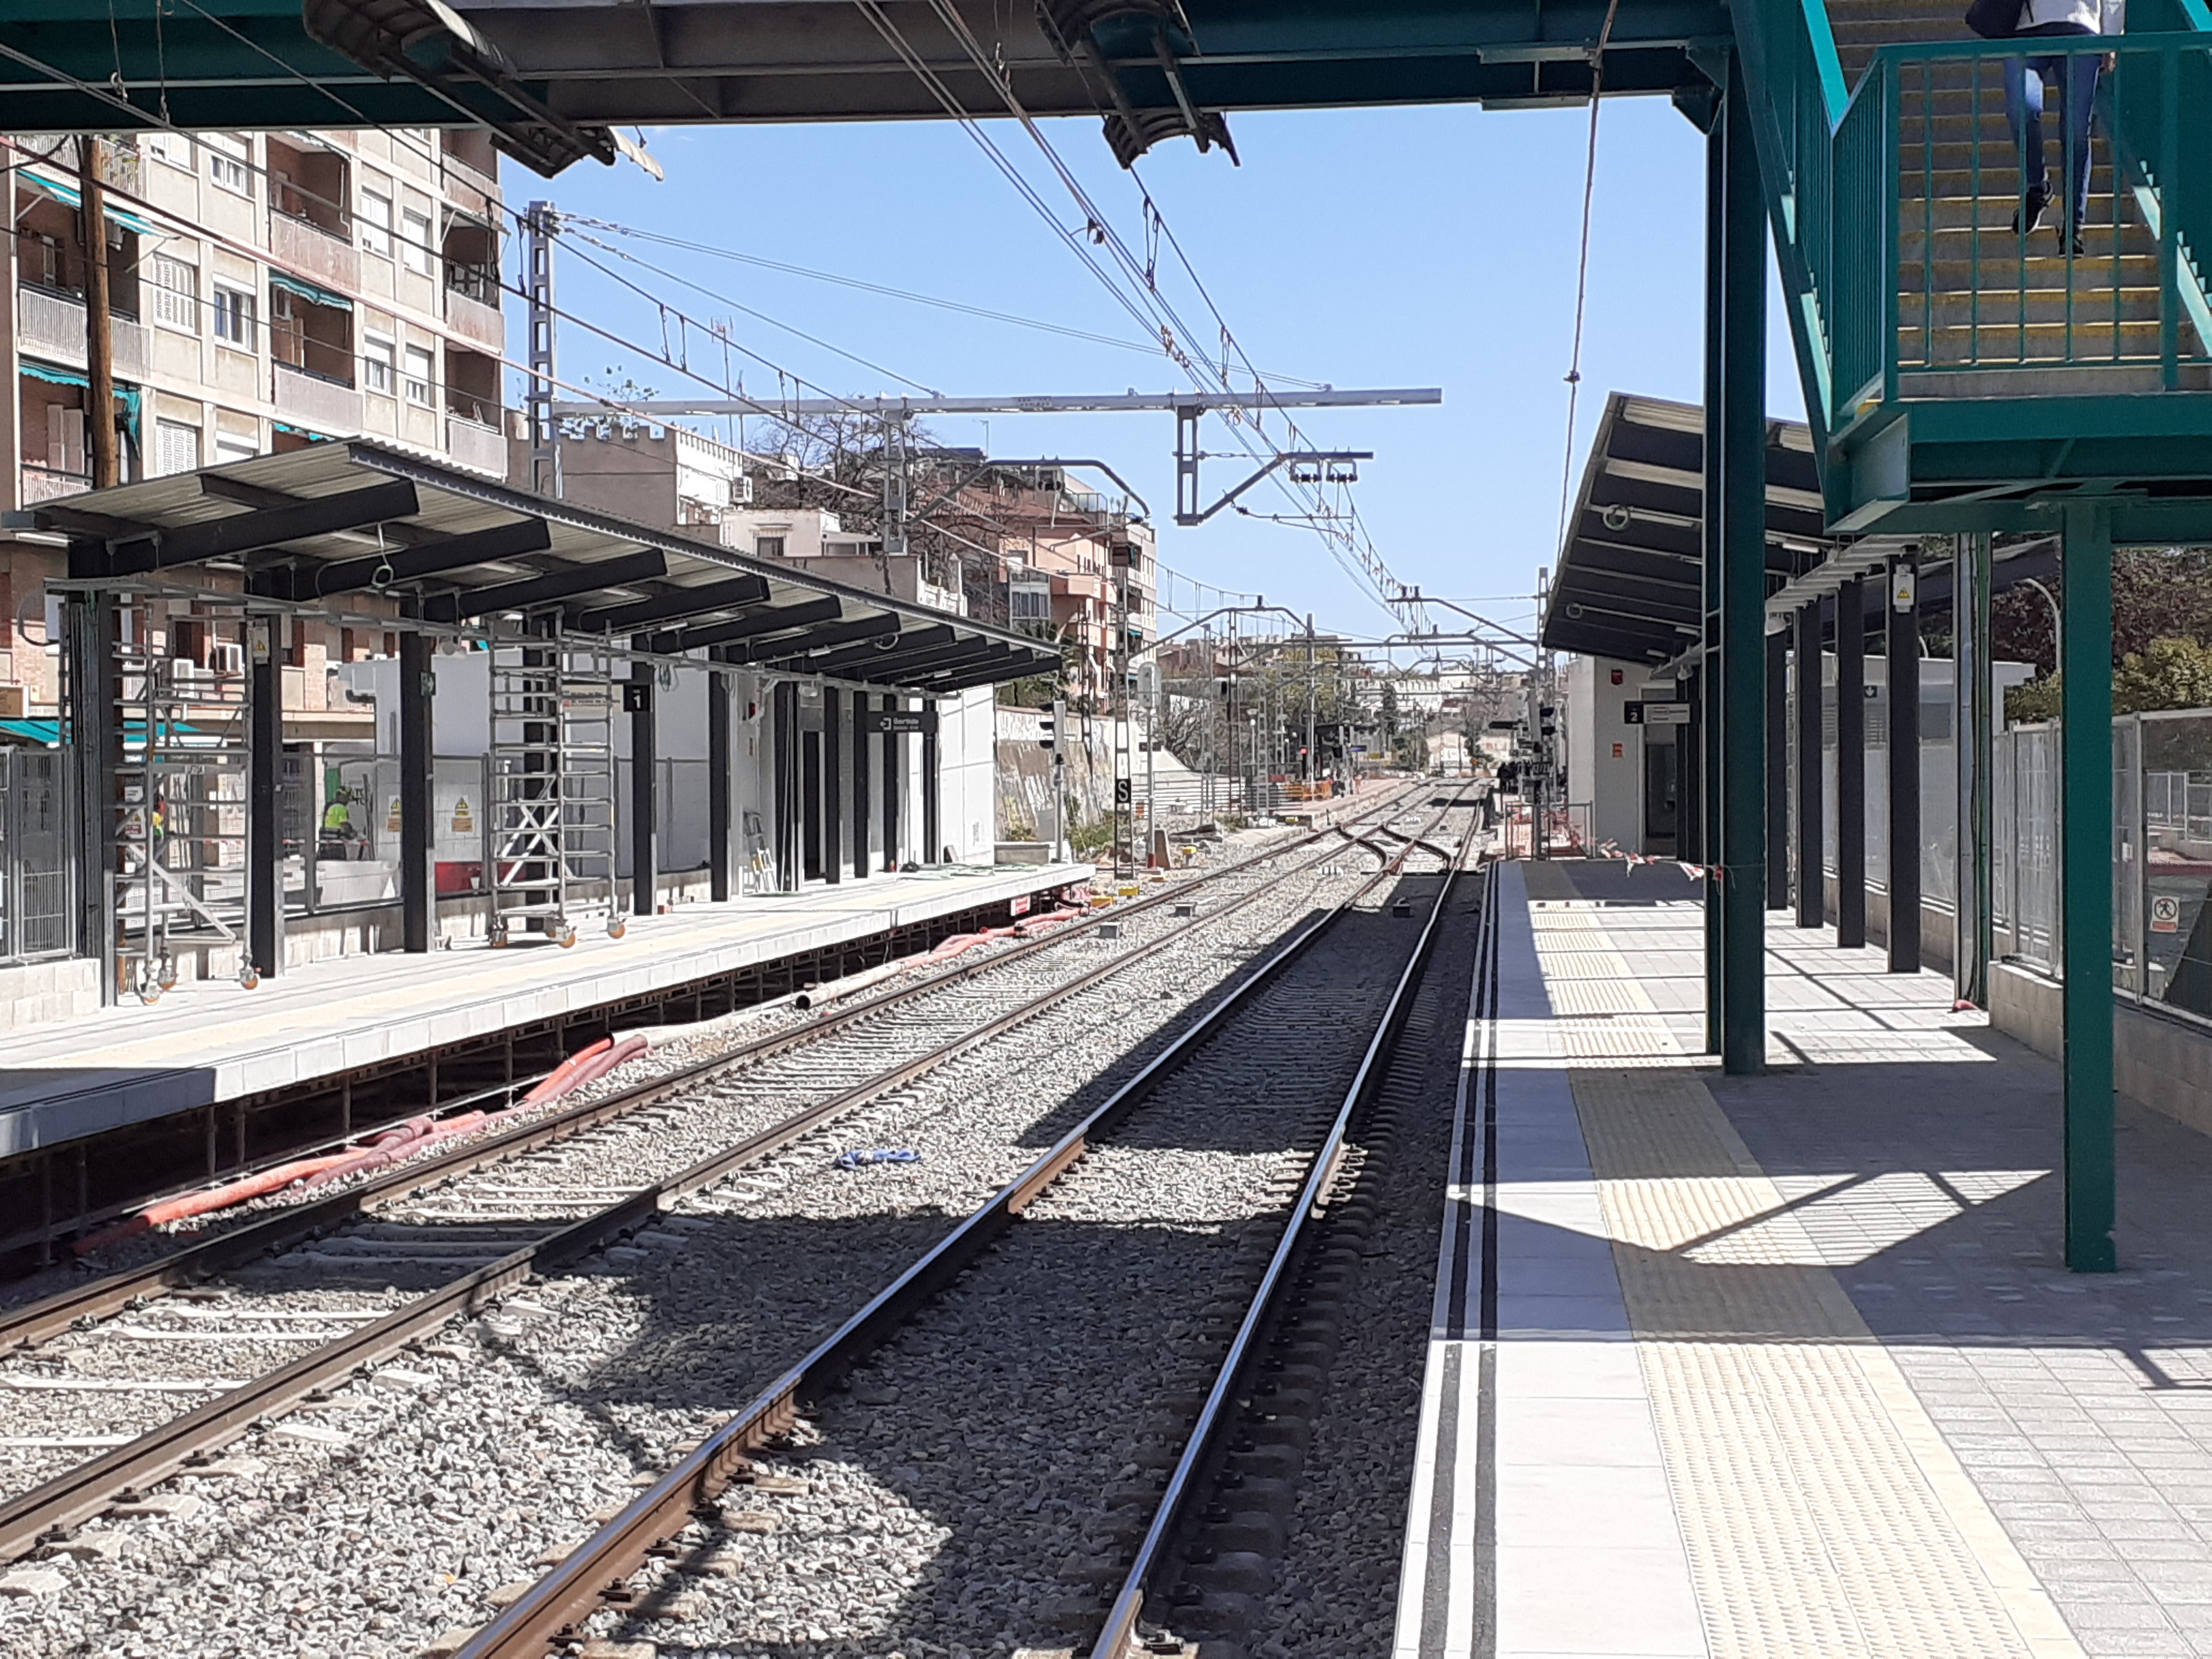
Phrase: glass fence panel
pixel 2035 848
pixel 2127 854
pixel 1939 823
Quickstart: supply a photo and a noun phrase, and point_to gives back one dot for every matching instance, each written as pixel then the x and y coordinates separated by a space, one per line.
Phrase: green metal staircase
pixel 1962 375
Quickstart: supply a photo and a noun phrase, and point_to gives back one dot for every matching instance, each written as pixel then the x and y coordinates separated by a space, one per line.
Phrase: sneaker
pixel 2069 241
pixel 2029 213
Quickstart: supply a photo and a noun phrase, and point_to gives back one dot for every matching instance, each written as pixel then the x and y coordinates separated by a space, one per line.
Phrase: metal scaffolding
pixel 180 800
pixel 550 783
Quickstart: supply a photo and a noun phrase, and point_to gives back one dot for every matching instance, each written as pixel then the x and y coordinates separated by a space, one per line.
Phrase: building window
pixel 176 447
pixel 229 447
pixel 414 242
pixel 234 317
pixel 378 363
pixel 1029 602
pixel 228 164
pixel 376 223
pixel 769 547
pixel 176 294
pixel 419 374
pixel 171 146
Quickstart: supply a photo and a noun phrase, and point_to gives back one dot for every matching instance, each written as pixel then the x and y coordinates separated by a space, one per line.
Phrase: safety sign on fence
pixel 2165 914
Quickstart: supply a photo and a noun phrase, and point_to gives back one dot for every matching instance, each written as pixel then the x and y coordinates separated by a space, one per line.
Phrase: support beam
pixel 1972 724
pixel 1707 717
pixel 641 695
pixel 881 661
pixel 533 591
pixel 438 557
pixel 1778 770
pixel 720 767
pixel 793 653
pixel 1903 672
pixel 780 620
pixel 932 846
pixel 1743 600
pixel 1812 902
pixel 265 805
pixel 832 803
pixel 2085 837
pixel 95 751
pixel 698 600
pixel 862 762
pixel 418 886
pixel 248 533
pixel 894 780
pixel 783 705
pixel 1851 765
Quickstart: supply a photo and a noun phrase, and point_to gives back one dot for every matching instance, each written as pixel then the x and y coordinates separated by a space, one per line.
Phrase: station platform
pixel 1791 1365
pixel 209 1042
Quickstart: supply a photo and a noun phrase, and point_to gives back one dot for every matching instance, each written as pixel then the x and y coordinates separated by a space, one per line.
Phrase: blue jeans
pixel 2075 80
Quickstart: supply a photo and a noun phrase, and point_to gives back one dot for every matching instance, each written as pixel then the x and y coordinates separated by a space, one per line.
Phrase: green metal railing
pixel 1892 208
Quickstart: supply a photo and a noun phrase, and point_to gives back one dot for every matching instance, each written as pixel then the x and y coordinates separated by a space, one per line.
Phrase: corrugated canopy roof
pixel 456 552
pixel 1630 583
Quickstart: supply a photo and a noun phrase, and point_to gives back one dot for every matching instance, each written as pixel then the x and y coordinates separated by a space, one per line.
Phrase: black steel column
pixel 1850 764
pixel 644 795
pixel 860 764
pixel 265 806
pixel 1690 777
pixel 783 705
pixel 931 849
pixel 418 873
pixel 894 780
pixel 833 803
pixel 1812 896
pixel 1778 771
pixel 719 769
pixel 1904 674
pixel 94 748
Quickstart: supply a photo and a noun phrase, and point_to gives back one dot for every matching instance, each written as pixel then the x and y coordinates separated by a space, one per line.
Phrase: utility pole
pixel 1310 769
pixel 539 225
pixel 98 320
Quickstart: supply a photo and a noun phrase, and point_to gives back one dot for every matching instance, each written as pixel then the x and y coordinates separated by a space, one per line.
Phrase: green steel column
pixel 1705 848
pixel 2085 832
pixel 1742 697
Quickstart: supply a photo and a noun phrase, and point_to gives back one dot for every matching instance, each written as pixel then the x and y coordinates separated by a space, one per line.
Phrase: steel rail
pixel 549 1609
pixel 1151 1572
pixel 38 1322
pixel 95 1485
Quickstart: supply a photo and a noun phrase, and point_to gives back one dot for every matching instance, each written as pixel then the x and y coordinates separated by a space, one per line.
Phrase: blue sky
pixel 1378 248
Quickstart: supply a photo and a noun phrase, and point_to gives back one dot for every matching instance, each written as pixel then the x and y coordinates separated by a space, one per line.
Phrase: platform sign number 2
pixel 2165 914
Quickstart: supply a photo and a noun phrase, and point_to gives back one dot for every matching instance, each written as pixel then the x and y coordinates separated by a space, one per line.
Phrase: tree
pixel 2169 673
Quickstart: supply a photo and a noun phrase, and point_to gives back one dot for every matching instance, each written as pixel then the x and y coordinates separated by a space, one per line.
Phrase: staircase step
pixel 2004 274
pixel 2002 308
pixel 2054 343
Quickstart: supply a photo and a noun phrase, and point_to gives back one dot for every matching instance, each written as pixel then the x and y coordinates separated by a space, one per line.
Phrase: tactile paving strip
pixel 1821 1511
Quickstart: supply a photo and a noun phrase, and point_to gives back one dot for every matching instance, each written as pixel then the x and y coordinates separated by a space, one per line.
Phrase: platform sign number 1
pixel 2165 914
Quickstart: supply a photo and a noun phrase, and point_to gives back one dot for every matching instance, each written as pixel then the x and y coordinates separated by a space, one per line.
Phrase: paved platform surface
pixel 213 1041
pixel 1791 1365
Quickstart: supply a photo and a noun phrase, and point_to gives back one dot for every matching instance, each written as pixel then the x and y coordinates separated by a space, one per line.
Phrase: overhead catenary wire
pixel 1581 261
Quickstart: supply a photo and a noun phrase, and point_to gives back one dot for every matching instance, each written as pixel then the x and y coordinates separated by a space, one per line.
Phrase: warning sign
pixel 2165 915
pixel 465 822
pixel 391 818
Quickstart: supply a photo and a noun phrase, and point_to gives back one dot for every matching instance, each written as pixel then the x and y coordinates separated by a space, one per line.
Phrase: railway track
pixel 1032 1409
pixel 476 1226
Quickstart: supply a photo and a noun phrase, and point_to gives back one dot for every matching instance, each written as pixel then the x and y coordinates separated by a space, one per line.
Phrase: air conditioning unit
pixel 741 490
pixel 226 657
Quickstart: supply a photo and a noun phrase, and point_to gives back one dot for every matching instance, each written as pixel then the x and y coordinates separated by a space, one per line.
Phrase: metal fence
pixel 2161 855
pixel 37 882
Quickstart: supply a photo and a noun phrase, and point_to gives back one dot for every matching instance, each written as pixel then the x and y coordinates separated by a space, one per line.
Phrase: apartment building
pixel 268 290
pixel 1035 552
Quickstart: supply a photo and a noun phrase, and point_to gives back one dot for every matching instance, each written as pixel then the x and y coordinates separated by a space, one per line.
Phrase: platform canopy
pixel 457 552
pixel 1631 583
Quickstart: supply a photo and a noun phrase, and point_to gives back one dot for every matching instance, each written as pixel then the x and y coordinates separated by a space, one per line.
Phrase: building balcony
pixel 318 402
pixel 326 256
pixel 47 483
pixel 51 326
pixel 476 445
pixel 474 319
